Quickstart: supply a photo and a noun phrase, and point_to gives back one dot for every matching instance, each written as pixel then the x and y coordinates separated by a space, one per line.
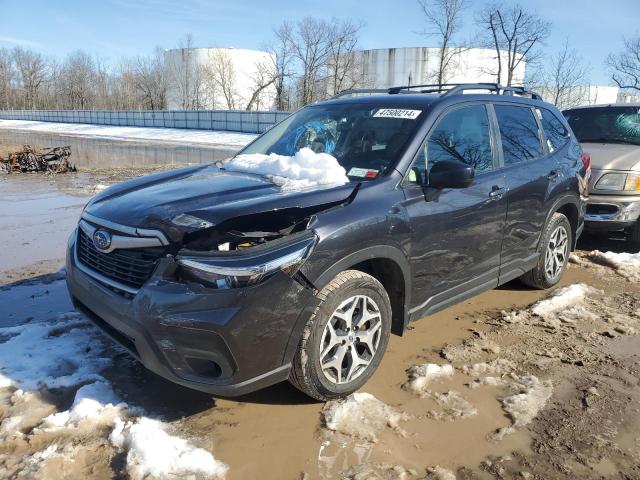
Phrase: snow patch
pixel 452 405
pixel 499 366
pixel 361 415
pixel 305 169
pixel 96 402
pixel 152 452
pixel 626 264
pixel 525 405
pixel 440 473
pixel 172 135
pixel 421 375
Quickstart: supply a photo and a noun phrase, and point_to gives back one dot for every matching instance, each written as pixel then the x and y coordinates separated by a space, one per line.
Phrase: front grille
pixel 131 267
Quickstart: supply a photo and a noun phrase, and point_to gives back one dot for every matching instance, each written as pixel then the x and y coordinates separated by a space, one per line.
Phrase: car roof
pixel 604 105
pixel 427 99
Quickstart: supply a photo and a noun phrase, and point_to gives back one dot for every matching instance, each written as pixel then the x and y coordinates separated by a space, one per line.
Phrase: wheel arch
pixel 568 205
pixel 390 267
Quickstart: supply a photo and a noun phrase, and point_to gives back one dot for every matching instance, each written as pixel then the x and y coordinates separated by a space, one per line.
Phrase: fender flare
pixel 567 198
pixel 370 253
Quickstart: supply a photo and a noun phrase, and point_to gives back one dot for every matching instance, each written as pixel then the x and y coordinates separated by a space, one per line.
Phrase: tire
pixel 327 363
pixel 546 275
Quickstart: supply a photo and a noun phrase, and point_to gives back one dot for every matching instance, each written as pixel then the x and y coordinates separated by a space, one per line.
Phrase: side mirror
pixel 451 174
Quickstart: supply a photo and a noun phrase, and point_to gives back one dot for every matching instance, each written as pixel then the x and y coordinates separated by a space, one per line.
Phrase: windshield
pixel 606 124
pixel 365 140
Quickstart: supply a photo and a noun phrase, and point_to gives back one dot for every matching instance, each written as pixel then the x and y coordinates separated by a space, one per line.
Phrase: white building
pixel 218 78
pixel 387 67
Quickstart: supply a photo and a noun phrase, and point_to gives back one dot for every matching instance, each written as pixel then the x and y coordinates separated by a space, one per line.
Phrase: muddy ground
pixel 573 368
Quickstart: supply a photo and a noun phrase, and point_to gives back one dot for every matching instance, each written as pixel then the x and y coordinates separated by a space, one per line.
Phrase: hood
pixel 613 156
pixel 205 192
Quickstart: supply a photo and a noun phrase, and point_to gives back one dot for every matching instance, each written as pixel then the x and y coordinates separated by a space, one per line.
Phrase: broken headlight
pixel 244 267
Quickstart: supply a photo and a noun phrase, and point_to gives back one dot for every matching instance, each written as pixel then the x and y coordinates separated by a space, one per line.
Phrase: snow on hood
pixel 305 169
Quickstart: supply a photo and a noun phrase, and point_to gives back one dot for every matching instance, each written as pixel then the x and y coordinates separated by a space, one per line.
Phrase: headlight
pixel 245 267
pixel 611 181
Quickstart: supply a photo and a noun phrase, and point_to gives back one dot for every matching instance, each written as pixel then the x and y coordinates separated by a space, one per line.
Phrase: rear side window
pixel 519 132
pixel 557 134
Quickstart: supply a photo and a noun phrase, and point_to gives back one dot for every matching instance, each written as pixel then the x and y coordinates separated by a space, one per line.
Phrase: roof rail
pixel 455 88
pixel 445 89
pixel 358 91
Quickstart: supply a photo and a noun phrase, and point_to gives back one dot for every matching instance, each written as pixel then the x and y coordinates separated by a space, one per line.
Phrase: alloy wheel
pixel 557 252
pixel 350 339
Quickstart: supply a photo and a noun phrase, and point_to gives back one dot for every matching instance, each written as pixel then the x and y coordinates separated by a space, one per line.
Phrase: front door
pixel 456 234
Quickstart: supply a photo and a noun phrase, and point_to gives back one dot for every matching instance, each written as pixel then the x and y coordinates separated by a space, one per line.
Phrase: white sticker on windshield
pixel 397 113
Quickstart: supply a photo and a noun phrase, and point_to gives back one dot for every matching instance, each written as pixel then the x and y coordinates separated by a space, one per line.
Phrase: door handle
pixel 553 174
pixel 496 192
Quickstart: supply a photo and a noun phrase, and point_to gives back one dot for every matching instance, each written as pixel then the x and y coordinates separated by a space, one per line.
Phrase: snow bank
pixel 171 135
pixel 525 405
pixel 306 168
pixel 421 375
pixel 362 415
pixel 152 452
pixel 626 264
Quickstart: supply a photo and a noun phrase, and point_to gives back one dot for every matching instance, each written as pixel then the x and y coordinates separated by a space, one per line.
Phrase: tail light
pixel 586 160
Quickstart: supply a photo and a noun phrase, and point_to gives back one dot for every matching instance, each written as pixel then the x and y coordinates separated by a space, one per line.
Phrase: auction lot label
pixel 397 113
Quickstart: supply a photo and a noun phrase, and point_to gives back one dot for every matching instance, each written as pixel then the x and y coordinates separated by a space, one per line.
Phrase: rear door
pixel 530 170
pixel 456 234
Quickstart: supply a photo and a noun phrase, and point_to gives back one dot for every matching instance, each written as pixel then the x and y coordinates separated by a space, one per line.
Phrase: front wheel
pixel 554 249
pixel 345 338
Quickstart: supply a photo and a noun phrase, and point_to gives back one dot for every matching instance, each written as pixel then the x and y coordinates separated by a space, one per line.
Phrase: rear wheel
pixel 554 249
pixel 345 338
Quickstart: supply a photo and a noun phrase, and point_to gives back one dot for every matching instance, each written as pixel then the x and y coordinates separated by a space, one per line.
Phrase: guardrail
pixel 228 120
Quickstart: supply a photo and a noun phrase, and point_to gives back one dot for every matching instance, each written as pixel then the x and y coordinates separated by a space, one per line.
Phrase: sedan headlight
pixel 249 266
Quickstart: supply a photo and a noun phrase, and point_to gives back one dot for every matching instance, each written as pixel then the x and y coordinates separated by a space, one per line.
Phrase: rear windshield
pixel 363 138
pixel 606 124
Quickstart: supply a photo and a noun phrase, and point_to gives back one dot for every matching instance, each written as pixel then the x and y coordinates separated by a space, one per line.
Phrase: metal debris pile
pixel 50 160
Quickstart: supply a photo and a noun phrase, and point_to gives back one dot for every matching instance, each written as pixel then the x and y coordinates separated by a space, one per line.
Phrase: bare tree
pixel 78 80
pixel 223 74
pixel 263 77
pixel 625 66
pixel 282 56
pixel 32 74
pixel 444 19
pixel 7 75
pixel 311 45
pixel 515 34
pixel 566 72
pixel 342 61
pixel 149 80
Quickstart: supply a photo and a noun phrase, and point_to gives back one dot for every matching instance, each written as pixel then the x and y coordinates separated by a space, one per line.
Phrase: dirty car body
pixel 209 276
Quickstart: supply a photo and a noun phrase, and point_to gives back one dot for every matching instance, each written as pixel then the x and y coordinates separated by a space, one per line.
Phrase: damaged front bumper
pixel 612 212
pixel 226 342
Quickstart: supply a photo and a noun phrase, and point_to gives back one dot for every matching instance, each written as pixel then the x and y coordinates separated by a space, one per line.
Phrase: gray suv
pixel 611 135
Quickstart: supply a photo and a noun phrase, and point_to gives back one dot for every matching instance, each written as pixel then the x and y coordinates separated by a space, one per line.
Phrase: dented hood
pixel 206 192
pixel 613 156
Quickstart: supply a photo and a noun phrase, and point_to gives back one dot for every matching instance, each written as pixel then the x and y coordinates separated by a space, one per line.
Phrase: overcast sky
pixel 114 28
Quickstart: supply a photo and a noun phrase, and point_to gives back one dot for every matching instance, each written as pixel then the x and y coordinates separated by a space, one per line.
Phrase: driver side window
pixel 461 135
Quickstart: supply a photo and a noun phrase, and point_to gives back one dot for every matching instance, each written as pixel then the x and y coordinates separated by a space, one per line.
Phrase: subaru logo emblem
pixel 102 239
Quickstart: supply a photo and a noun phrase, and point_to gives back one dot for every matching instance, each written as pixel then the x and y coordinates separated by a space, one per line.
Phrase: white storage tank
pixel 218 78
